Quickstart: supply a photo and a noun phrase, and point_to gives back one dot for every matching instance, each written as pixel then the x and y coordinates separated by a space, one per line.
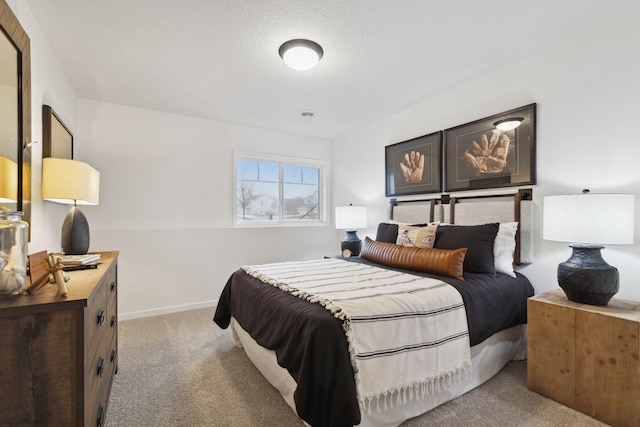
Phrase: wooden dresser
pixel 58 355
pixel 586 356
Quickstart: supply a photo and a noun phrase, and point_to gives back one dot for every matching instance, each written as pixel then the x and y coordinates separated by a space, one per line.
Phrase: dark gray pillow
pixel 387 232
pixel 478 239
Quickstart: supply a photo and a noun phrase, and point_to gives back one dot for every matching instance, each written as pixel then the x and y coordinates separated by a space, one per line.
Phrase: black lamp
pixel 350 218
pixel 588 221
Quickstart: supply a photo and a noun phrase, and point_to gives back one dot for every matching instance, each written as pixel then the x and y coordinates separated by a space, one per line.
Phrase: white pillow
pixel 503 248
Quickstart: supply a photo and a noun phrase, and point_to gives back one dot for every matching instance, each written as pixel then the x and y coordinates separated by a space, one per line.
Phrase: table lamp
pixel 350 218
pixel 8 180
pixel 588 221
pixel 71 182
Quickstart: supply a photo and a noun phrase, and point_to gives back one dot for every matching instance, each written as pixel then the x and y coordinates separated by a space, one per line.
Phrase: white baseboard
pixel 166 310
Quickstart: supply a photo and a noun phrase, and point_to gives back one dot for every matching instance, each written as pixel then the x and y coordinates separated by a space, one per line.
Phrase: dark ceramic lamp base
pixel 586 277
pixel 352 242
pixel 75 233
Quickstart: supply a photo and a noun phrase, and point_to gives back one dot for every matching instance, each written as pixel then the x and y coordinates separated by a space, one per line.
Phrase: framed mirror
pixel 15 106
pixel 57 139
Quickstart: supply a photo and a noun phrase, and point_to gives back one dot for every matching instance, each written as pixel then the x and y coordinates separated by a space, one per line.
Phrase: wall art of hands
pixel 412 167
pixel 488 156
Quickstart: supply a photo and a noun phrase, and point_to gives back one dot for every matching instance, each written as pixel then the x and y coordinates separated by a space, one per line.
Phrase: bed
pixel 300 323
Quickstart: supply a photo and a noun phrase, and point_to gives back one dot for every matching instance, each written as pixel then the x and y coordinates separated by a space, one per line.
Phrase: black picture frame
pixel 57 139
pixel 407 179
pixel 478 156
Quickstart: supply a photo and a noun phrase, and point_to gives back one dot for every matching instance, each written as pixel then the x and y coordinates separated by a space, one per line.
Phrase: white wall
pixel 166 203
pixel 49 85
pixel 588 97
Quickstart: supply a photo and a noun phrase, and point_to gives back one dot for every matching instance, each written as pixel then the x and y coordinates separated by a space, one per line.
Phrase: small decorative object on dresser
pixel 585 356
pixel 578 219
pixel 14 235
pixel 68 260
pixel 39 273
pixel 60 353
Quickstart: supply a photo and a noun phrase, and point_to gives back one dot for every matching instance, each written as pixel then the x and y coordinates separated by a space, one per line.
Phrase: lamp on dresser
pixel 76 183
pixel 588 221
pixel 8 180
pixel 351 218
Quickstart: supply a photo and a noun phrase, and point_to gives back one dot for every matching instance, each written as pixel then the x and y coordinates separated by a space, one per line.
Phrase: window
pixel 279 191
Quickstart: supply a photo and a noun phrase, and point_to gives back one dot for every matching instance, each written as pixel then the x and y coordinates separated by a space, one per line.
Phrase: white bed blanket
pixel 407 334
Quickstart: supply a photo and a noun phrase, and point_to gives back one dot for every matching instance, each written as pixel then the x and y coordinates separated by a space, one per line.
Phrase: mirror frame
pixel 52 147
pixel 10 26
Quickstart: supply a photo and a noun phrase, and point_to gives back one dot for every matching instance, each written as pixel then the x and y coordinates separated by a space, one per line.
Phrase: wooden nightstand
pixel 585 356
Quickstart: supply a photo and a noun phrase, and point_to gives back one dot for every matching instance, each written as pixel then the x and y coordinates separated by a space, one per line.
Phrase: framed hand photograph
pixel 497 151
pixel 414 166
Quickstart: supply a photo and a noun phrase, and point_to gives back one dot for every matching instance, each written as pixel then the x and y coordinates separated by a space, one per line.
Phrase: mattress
pixel 487 359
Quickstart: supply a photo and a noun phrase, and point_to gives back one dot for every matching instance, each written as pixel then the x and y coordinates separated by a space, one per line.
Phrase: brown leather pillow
pixel 436 261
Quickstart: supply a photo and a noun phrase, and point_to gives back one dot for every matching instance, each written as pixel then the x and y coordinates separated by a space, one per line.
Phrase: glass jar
pixel 14 235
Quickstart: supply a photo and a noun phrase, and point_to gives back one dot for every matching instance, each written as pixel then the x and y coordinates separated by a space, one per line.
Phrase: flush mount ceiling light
pixel 509 123
pixel 301 54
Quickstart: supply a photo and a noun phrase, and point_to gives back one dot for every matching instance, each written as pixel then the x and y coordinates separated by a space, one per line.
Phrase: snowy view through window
pixel 279 192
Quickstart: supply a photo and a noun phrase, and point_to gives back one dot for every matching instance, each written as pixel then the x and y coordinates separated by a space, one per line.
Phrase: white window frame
pixel 323 167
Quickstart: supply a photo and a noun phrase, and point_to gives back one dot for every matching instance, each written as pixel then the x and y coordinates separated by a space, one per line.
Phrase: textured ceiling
pixel 219 60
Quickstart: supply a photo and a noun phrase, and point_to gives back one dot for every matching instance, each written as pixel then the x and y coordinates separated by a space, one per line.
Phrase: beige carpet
pixel 182 370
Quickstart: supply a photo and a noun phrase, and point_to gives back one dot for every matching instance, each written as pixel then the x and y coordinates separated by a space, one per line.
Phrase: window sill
pixel 280 225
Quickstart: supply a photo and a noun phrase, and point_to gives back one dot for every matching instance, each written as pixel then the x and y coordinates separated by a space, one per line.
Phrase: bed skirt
pixel 487 359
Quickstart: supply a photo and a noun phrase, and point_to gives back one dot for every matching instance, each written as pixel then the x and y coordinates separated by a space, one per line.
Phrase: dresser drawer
pixel 112 355
pixel 97 373
pixel 111 285
pixel 111 282
pixel 96 321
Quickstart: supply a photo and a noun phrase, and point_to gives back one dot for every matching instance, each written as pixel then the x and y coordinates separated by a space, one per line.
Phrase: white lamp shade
pixel 70 182
pixel 8 180
pixel 589 218
pixel 351 217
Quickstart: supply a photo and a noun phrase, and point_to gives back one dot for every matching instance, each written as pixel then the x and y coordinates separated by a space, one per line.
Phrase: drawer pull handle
pixel 113 356
pixel 114 321
pixel 100 368
pixel 113 286
pixel 101 317
pixel 100 419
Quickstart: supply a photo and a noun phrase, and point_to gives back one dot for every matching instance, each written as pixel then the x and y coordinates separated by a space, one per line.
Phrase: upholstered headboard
pixel 473 210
